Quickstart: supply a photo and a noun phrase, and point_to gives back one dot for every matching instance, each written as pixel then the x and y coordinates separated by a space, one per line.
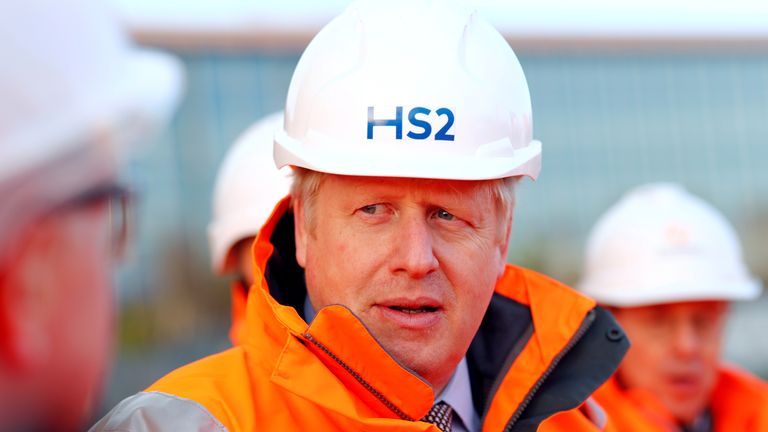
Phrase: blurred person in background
pixel 248 186
pixel 668 264
pixel 382 298
pixel 74 94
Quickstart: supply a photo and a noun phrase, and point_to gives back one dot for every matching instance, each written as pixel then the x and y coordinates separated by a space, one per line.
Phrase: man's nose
pixel 686 340
pixel 414 249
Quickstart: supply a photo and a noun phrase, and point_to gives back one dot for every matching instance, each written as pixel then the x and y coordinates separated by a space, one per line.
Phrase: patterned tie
pixel 440 415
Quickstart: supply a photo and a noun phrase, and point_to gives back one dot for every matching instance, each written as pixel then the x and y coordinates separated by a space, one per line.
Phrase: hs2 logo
pixel 418 118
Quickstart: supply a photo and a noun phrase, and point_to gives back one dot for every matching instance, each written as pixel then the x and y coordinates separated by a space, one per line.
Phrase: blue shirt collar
pixel 458 394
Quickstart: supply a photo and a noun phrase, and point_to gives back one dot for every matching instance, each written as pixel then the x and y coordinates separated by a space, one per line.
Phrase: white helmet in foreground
pixel 660 244
pixel 247 188
pixel 59 87
pixel 75 94
pixel 443 97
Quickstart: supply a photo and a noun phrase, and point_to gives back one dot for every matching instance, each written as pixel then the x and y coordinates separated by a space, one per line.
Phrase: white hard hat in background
pixel 68 72
pixel 409 88
pixel 660 244
pixel 247 188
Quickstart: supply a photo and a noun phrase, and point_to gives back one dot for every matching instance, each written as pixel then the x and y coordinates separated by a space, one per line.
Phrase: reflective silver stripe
pixel 595 413
pixel 157 411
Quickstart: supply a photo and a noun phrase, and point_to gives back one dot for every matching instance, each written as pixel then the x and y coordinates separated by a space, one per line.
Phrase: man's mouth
pixel 412 310
pixel 415 314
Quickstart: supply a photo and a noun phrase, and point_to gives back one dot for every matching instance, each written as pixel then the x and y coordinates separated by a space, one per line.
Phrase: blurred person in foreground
pixel 248 186
pixel 382 299
pixel 73 94
pixel 668 264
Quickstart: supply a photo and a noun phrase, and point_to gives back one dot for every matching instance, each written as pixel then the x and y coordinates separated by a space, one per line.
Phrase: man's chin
pixel 429 362
pixel 686 411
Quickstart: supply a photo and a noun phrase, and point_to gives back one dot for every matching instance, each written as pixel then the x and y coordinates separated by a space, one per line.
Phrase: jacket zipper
pixel 511 356
pixel 377 394
pixel 585 325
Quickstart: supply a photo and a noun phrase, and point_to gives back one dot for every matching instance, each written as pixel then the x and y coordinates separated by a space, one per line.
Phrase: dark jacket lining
pixel 503 331
pixel 284 275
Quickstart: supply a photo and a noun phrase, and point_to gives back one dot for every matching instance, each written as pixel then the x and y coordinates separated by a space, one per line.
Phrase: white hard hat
pixel 660 244
pixel 247 188
pixel 409 88
pixel 68 73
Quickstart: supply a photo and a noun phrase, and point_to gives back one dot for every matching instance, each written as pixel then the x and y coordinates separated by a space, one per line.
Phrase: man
pixel 247 188
pixel 668 264
pixel 73 92
pixel 408 125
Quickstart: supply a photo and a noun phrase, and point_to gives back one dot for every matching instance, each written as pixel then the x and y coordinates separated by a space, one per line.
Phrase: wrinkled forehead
pixel 406 184
pixel 470 192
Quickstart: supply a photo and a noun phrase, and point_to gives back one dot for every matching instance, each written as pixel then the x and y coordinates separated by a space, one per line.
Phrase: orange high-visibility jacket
pixel 239 299
pixel 739 403
pixel 541 349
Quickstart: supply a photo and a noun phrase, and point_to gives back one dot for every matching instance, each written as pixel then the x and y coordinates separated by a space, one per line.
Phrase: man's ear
pixel 300 232
pixel 24 344
pixel 504 245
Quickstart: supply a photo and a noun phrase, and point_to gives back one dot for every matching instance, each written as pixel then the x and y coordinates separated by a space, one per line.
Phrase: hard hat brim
pixel 744 290
pixel 526 161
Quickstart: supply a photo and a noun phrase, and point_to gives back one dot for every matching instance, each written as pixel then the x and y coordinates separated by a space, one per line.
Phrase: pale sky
pixel 587 18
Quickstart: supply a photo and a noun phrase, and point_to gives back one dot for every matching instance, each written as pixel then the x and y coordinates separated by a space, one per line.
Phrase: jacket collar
pixel 545 318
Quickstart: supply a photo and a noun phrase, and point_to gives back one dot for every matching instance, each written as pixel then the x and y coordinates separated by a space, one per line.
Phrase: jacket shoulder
pixel 208 371
pixel 157 411
pixel 743 382
pixel 740 398
pixel 518 283
pixel 216 383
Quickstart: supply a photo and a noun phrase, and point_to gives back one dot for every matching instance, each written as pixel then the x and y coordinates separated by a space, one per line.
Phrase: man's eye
pixel 370 209
pixel 442 214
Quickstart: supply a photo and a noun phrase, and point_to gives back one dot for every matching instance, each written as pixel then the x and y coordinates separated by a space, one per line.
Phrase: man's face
pixel 415 260
pixel 675 353
pixel 82 262
pixel 60 298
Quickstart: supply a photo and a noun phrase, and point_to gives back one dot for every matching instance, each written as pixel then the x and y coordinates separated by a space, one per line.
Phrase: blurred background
pixel 623 93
